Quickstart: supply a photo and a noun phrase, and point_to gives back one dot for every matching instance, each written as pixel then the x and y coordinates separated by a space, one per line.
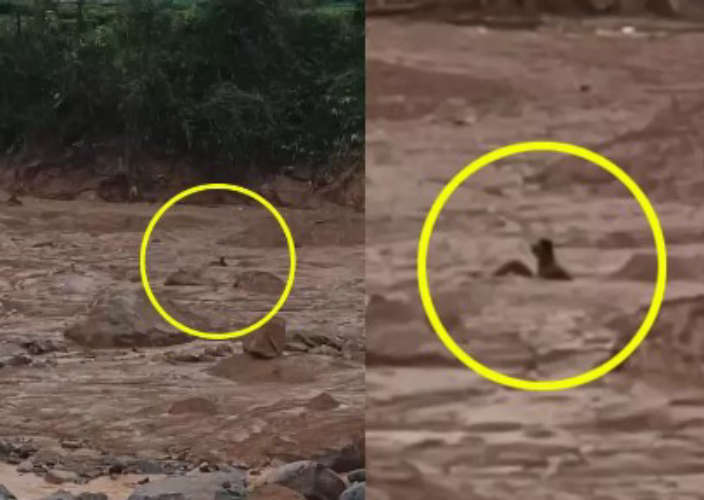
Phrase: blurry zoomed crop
pixel 541 265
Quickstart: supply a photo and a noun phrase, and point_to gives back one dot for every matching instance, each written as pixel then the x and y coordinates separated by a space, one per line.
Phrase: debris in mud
pixel 41 346
pixel 125 318
pixel 205 354
pixel 268 341
pixel 312 341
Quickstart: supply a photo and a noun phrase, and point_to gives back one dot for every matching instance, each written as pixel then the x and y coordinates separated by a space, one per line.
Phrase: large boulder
pixel 126 318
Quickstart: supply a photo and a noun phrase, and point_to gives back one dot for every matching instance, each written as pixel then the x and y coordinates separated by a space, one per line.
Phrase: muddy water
pixel 440 96
pixel 58 256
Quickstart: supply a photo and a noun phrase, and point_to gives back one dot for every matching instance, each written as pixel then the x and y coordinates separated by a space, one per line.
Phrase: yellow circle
pixel 541 385
pixel 227 335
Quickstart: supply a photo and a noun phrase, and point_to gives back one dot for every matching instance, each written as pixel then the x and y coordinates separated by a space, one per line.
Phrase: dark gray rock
pixel 60 495
pixel 196 486
pixel 92 496
pixel 354 492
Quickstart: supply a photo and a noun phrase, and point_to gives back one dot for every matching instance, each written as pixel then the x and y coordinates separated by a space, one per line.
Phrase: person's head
pixel 543 250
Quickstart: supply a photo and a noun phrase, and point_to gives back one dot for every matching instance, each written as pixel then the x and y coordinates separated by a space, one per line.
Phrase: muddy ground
pixel 131 410
pixel 438 97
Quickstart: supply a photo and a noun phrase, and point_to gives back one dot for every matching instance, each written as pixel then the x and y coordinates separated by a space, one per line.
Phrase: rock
pixel 54 476
pixel 60 495
pixel 295 346
pixel 187 277
pixel 260 282
pixel 92 496
pixel 25 467
pixel 5 494
pixel 149 467
pixel 199 486
pixel 71 444
pixel 354 492
pixel 310 479
pixel 275 492
pixel 126 318
pixel 193 405
pixel 322 402
pixel 357 476
pixel 267 342
pixel 227 494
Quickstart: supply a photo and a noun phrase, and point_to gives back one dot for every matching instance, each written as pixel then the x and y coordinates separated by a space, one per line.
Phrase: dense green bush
pixel 256 82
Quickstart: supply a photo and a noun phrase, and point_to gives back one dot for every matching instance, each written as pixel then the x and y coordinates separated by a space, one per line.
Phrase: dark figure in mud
pixel 548 268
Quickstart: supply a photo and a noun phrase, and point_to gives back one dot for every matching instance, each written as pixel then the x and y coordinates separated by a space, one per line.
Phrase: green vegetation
pixel 255 82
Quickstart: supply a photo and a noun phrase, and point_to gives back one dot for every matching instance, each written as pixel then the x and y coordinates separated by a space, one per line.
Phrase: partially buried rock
pixel 310 479
pixel 125 318
pixel 268 342
pixel 187 277
pixel 322 402
pixel 259 281
pixel 193 405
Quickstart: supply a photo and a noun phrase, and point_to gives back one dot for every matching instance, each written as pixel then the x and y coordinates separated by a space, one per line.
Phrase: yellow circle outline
pixel 541 385
pixel 208 335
